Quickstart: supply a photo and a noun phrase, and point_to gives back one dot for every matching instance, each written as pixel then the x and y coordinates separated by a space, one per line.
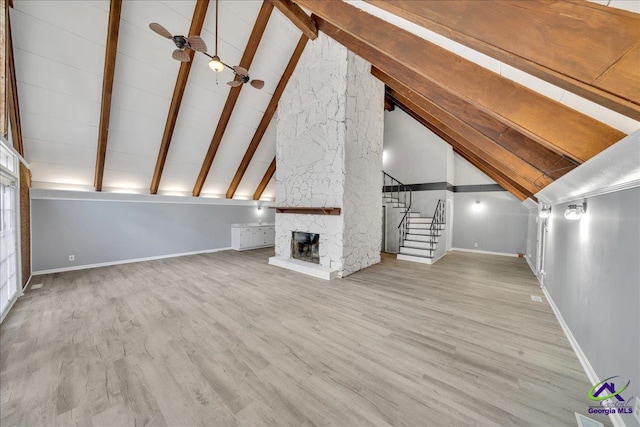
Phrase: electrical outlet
pixel 72 257
pixel 475 245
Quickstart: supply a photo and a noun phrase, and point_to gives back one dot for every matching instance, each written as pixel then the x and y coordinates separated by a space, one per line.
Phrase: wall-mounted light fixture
pixel 477 206
pixel 545 212
pixel 574 212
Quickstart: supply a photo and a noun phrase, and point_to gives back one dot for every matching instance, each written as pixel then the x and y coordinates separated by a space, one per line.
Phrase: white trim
pixel 533 270
pixel 529 204
pixel 476 251
pixel 15 153
pixel 127 261
pixel 614 169
pixel 599 192
pixel 26 285
pixel 615 418
pixel 414 258
pixel 89 196
pixel 10 305
pixel 310 269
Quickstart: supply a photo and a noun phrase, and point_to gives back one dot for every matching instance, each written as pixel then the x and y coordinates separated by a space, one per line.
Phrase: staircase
pixel 418 236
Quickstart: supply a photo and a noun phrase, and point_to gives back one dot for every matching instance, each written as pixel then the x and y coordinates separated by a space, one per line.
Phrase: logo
pixel 609 398
pixel 609 387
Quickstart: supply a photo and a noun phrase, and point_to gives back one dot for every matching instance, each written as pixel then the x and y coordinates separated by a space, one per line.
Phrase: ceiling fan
pixel 192 42
pixel 195 43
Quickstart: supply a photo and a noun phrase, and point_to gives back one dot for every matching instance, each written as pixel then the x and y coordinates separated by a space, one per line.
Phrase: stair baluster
pixel 396 186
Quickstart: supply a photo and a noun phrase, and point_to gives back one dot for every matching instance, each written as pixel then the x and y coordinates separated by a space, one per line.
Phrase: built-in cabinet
pixel 252 236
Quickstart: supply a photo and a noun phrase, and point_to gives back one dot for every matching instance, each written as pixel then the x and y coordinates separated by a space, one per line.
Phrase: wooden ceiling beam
pixel 493 173
pixel 464 138
pixel 501 180
pixel 556 126
pixel 234 93
pixel 388 104
pixel 457 142
pixel 593 45
pixel 197 21
pixel 12 88
pixel 268 115
pixel 265 180
pixel 476 132
pixel 107 89
pixel 486 168
pixel 298 17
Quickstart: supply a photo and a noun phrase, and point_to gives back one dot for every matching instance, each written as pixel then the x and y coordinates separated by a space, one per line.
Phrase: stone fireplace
pixel 305 246
pixel 329 130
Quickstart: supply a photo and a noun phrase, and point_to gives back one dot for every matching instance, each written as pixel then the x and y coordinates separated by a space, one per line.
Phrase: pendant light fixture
pixel 215 63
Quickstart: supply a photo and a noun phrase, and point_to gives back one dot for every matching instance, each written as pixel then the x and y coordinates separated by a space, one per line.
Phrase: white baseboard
pixel 126 261
pixel 476 251
pixel 9 306
pixel 533 270
pixel 615 418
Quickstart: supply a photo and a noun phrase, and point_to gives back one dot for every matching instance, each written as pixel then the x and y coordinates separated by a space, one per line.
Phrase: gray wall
pixel 593 275
pixel 501 226
pixel 107 231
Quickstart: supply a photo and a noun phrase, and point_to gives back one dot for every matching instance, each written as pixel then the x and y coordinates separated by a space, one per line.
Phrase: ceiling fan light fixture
pixel 215 64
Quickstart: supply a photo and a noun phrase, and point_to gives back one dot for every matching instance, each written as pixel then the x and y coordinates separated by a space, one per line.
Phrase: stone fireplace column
pixel 329 154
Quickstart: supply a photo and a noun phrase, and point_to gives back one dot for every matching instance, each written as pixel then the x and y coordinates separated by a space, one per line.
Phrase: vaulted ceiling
pixel 103 106
pixel 59 50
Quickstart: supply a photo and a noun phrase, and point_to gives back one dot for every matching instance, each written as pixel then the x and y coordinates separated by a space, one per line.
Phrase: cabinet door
pixel 246 238
pixel 270 236
pixel 258 237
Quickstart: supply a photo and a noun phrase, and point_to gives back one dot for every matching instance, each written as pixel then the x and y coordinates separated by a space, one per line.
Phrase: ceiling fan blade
pixel 234 83
pixel 242 71
pixel 197 43
pixel 180 55
pixel 258 84
pixel 160 30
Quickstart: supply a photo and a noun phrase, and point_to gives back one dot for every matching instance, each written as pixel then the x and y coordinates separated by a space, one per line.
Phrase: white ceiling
pixel 59 53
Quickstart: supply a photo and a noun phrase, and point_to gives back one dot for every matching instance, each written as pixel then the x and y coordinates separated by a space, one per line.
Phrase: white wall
pixel 465 173
pixel 412 153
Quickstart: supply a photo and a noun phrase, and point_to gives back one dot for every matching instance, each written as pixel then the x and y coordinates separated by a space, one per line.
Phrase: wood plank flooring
pixel 224 339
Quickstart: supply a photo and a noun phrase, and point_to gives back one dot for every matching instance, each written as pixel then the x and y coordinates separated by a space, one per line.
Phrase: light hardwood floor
pixel 225 339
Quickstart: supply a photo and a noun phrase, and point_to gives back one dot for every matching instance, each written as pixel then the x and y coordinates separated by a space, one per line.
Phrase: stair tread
pixel 422 249
pixel 417 256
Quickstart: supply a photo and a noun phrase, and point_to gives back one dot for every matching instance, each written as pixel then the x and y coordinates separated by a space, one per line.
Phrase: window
pixel 8 229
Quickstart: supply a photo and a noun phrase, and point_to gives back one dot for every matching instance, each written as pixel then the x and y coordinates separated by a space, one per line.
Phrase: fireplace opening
pixel 305 246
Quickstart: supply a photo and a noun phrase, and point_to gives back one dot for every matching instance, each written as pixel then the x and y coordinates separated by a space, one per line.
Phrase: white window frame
pixel 15 175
